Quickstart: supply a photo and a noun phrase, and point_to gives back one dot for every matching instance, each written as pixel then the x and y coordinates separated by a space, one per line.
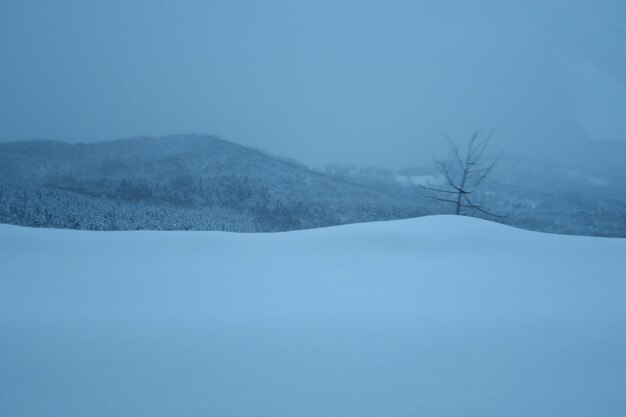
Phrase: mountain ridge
pixel 203 182
pixel 199 172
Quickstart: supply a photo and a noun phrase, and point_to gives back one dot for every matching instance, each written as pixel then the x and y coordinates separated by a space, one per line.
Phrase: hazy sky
pixel 373 82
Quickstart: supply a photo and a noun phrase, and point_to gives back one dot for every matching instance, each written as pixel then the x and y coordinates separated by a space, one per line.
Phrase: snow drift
pixel 437 316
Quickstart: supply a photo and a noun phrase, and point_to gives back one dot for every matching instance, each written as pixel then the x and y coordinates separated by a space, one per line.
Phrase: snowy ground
pixel 437 316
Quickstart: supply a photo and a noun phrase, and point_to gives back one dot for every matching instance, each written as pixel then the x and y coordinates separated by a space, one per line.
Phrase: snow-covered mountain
pixel 181 182
pixel 201 182
pixel 436 316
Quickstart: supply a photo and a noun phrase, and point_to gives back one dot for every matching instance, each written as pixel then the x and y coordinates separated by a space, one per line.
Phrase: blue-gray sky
pixel 371 82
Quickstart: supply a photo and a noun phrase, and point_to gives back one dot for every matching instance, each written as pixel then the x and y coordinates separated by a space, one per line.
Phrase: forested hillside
pixel 182 182
pixel 199 182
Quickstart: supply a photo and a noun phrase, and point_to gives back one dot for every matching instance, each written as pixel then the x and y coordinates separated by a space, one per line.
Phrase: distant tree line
pixel 182 203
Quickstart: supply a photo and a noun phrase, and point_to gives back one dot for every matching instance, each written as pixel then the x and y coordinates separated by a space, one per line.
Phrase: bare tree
pixel 463 173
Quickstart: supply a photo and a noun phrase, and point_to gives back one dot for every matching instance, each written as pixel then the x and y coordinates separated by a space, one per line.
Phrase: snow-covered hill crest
pixel 438 315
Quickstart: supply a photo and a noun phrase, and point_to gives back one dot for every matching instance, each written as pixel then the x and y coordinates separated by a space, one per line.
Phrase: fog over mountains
pixel 373 84
pixel 201 182
pixel 370 83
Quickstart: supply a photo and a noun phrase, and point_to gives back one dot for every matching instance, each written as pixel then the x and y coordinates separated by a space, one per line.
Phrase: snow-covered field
pixel 437 316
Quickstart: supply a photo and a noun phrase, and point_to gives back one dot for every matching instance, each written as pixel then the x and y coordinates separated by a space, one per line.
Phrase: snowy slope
pixel 437 316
